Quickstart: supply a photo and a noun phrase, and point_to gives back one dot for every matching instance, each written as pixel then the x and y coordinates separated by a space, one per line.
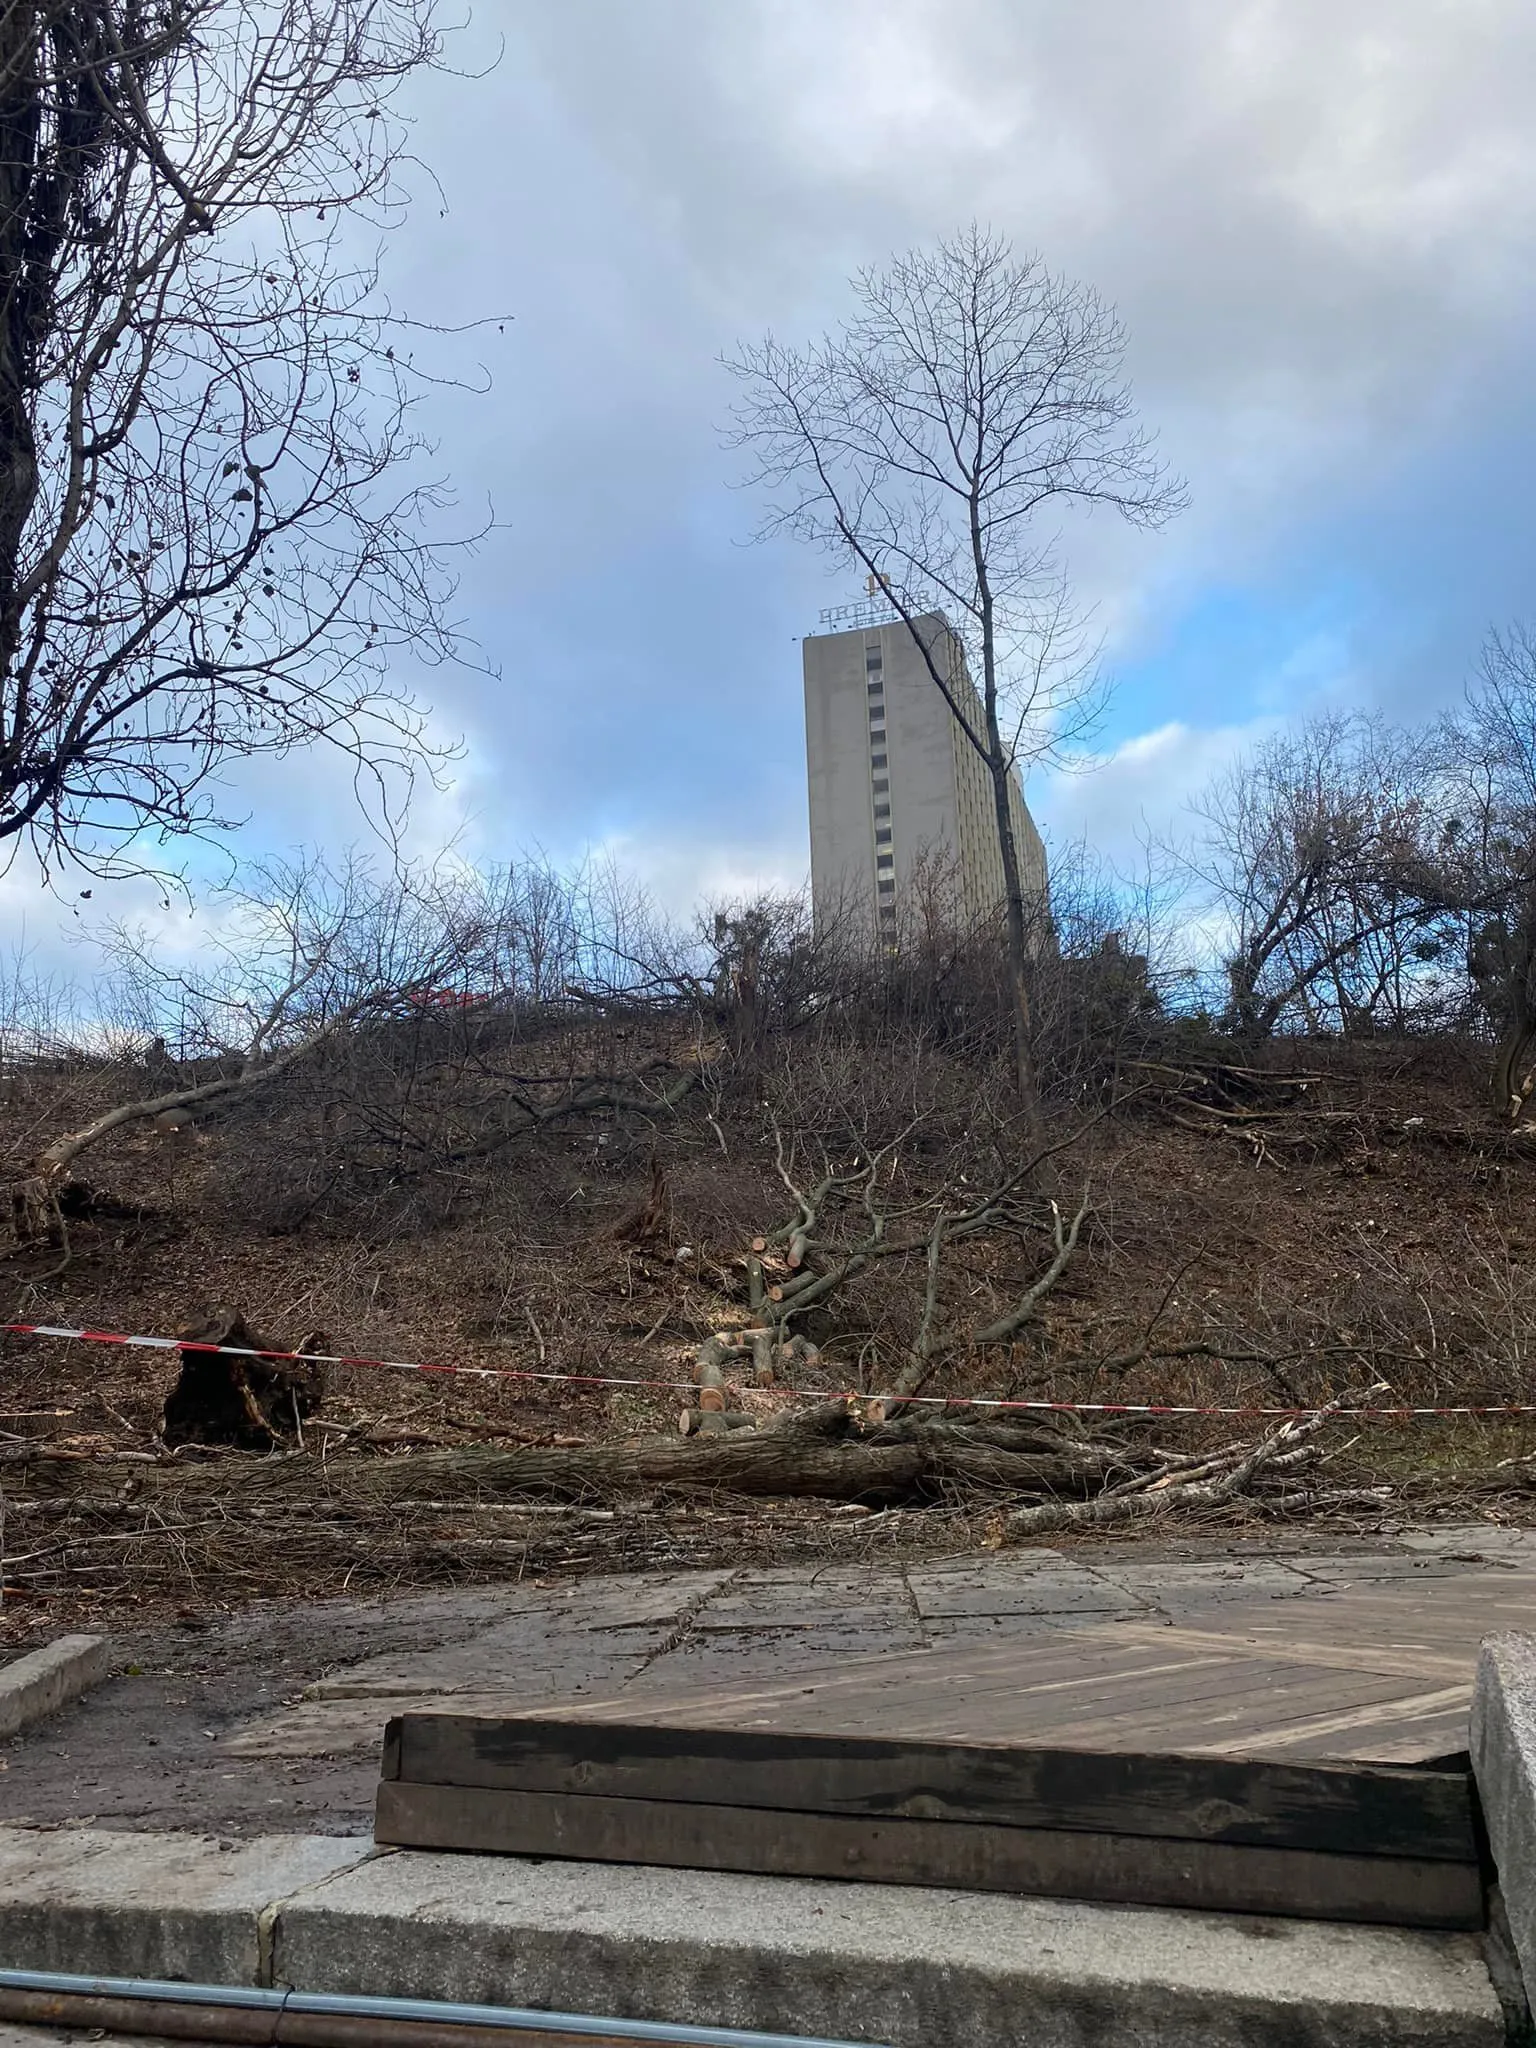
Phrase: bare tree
pixel 421 1021
pixel 1317 859
pixel 973 392
pixel 305 956
pixel 211 512
pixel 1490 851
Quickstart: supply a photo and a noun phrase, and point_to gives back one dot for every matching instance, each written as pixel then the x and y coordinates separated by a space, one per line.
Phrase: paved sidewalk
pixel 271 1721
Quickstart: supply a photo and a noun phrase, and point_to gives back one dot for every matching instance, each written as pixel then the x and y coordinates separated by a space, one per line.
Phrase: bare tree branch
pixel 214 522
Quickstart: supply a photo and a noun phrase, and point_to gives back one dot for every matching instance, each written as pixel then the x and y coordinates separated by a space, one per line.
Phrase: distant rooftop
pixel 878 607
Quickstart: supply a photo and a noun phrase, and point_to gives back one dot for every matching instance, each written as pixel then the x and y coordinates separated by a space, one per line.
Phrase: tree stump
pixel 250 1404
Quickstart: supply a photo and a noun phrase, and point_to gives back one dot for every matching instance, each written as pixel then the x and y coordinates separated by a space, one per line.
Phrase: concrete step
pixel 72 2037
pixel 904 1967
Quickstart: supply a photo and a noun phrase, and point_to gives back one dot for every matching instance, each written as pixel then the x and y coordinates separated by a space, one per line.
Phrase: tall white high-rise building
pixel 900 799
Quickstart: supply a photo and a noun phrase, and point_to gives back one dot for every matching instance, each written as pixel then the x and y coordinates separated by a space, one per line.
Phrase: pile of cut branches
pixel 1262 1110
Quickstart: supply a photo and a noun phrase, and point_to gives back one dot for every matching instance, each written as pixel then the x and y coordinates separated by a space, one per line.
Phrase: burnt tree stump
pixel 221 1397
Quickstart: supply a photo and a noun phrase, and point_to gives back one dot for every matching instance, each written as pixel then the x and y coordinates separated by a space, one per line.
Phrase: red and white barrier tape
pixel 587 1379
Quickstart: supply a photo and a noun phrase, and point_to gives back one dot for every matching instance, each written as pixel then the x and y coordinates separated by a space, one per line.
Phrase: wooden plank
pixel 1455 1699
pixel 1294 1806
pixel 1386 1660
pixel 1072 1701
pixel 1114 1869
pixel 888 1691
pixel 1234 1715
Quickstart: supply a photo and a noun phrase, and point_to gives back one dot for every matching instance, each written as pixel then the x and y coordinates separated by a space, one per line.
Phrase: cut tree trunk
pixel 817 1452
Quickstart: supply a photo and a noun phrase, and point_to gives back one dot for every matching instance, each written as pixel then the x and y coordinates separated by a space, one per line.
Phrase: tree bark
pixel 999 765
pixel 816 1453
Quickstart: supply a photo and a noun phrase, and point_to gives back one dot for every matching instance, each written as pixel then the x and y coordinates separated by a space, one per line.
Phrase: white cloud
pixel 682 875
pixel 1140 789
pixel 1320 225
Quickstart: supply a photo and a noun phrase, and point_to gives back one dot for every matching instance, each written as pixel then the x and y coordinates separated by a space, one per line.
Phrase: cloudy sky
pixel 1317 220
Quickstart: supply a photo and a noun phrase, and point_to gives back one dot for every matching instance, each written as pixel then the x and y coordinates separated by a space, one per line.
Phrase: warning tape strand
pixel 992 1403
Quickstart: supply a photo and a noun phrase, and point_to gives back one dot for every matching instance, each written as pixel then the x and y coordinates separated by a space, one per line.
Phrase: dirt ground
pixel 1381 1231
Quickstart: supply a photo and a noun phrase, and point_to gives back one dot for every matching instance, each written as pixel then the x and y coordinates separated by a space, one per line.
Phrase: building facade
pixel 901 802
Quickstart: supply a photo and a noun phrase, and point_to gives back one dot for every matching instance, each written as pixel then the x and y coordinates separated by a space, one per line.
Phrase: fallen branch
pixel 1182 1490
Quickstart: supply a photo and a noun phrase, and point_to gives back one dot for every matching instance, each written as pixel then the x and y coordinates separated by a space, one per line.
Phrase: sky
pixel 1317 222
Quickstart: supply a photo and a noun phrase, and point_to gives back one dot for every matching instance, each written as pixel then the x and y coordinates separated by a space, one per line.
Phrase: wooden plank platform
pixel 1367 1657
pixel 1359 1843
pixel 1376 1673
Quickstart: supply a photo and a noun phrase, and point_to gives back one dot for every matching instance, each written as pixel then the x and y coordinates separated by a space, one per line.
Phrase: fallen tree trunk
pixel 814 1453
pixel 36 1214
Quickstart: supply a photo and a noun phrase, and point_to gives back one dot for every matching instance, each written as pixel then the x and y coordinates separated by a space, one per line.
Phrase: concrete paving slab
pixel 1179 1584
pixel 531 1661
pixel 34 1686
pixel 917 1969
pixel 317 1728
pixel 1063 1590
pixel 799 1607
pixel 986 1631
pixel 596 1633
pixel 638 1599
pixel 726 1658
pixel 1503 1742
pixel 143 1905
pixel 1384 1570
pixel 1488 1537
pixel 999 1564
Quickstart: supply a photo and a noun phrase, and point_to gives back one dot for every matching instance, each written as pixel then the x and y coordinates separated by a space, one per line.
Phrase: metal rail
pixel 219 2013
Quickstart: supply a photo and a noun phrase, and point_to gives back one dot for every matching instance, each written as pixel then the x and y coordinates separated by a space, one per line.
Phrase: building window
pixel 874 686
pixel 881 785
pixel 882 810
pixel 878 761
pixel 882 835
pixel 887 885
pixel 871 657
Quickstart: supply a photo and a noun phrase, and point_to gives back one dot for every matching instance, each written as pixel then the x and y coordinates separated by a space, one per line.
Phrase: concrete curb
pixel 143 1905
pixel 1503 1741
pixel 905 1966
pixel 45 1680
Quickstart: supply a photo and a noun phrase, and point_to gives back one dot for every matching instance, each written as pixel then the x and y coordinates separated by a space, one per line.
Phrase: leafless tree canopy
pixel 973 393
pixel 1358 878
pixel 1320 853
pixel 211 499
